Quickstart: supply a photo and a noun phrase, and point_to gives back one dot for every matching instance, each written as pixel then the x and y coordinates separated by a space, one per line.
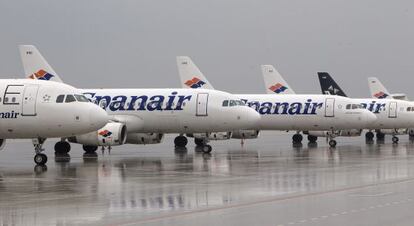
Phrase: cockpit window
pixel 240 103
pixel 232 103
pixel 60 98
pixel 225 103
pixel 70 98
pixel 81 98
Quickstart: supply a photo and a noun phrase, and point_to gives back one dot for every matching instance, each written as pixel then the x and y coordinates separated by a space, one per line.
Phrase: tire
pixel 332 143
pixel 181 141
pixel 380 136
pixel 395 140
pixel 62 147
pixel 40 159
pixel 369 136
pixel 297 138
pixel 207 149
pixel 312 139
pixel 89 148
pixel 198 142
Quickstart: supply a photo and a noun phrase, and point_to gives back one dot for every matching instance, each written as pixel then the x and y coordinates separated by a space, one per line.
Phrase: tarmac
pixel 266 181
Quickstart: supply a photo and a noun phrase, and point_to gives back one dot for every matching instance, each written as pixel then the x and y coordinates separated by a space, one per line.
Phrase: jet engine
pixel 341 133
pixel 144 138
pixel 393 131
pixel 211 136
pixel 111 134
pixel 245 134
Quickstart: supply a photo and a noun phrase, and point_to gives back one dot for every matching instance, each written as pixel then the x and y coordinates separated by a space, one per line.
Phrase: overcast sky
pixel 116 44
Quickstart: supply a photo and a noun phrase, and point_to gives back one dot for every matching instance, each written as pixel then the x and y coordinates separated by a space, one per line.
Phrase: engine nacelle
pixel 393 131
pixel 112 134
pixel 220 136
pixel 2 144
pixel 337 133
pixel 350 133
pixel 144 138
pixel 245 134
pixel 318 133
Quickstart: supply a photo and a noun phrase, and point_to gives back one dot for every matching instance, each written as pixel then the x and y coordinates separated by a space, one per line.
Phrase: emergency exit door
pixel 202 104
pixel 29 100
pixel 329 107
pixel 392 110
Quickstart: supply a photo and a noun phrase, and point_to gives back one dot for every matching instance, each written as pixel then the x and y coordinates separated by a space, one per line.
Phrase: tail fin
pixel 378 91
pixel 35 66
pixel 274 82
pixel 190 75
pixel 329 86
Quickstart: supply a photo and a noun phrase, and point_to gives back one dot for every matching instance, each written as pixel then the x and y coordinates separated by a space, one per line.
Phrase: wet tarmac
pixel 265 182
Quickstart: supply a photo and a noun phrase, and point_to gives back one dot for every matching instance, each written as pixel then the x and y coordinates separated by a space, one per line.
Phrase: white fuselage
pixel 28 109
pixel 307 112
pixel 173 110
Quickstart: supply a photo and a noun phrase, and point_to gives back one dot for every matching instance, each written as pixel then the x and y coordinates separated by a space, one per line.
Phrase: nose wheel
pixel 39 158
pixel 332 143
pixel 395 140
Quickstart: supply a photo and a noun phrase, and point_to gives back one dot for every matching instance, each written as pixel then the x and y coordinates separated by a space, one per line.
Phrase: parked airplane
pixel 291 112
pixel 392 114
pixel 150 113
pixel 38 109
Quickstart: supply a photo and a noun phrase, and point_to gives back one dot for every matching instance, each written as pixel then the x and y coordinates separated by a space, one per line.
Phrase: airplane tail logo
pixel 41 75
pixel 381 95
pixel 278 88
pixel 195 83
pixel 105 133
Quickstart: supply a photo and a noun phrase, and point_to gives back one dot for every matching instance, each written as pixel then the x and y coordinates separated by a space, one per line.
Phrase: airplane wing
pixel 35 66
pixel 377 90
pixel 190 75
pixel 274 82
pixel 329 86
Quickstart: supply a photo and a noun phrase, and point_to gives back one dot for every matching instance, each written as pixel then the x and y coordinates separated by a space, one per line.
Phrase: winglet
pixel 35 66
pixel 377 89
pixel 190 75
pixel 274 82
pixel 329 86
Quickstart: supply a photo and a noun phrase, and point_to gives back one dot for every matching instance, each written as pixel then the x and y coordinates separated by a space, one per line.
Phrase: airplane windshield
pixel 81 98
pixel 70 98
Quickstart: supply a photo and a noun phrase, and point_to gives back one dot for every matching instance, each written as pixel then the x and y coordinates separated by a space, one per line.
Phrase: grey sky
pixel 101 43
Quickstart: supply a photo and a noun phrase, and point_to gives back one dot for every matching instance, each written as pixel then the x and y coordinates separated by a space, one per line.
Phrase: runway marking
pixel 260 202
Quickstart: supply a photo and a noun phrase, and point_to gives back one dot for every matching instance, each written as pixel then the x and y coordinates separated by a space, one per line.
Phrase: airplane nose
pixel 98 117
pixel 252 118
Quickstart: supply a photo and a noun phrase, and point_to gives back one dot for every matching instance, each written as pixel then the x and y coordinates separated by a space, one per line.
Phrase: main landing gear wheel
pixel 207 149
pixel 181 141
pixel 380 136
pixel 395 140
pixel 62 147
pixel 40 159
pixel 89 148
pixel 297 138
pixel 369 136
pixel 199 142
pixel 312 139
pixel 332 143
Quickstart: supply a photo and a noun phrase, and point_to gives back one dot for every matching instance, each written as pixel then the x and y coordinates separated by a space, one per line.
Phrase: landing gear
pixel 62 147
pixel 199 142
pixel 395 140
pixel 39 158
pixel 312 139
pixel 89 148
pixel 332 143
pixel 181 141
pixel 297 138
pixel 207 148
pixel 380 136
pixel 369 136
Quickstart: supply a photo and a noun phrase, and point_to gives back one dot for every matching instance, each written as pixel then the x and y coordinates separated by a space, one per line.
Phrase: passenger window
pixel 70 98
pixel 60 99
pixel 408 109
pixel 225 103
pixel 348 106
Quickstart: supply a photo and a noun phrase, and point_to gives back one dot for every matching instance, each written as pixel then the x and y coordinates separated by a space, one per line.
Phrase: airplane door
pixel 330 107
pixel 392 110
pixel 29 100
pixel 202 103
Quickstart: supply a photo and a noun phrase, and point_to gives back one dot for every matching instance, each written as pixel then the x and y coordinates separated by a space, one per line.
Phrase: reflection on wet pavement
pixel 135 183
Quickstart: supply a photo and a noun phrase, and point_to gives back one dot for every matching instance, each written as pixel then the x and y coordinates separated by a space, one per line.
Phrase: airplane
pixel 392 114
pixel 378 91
pixel 40 109
pixel 150 113
pixel 290 112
